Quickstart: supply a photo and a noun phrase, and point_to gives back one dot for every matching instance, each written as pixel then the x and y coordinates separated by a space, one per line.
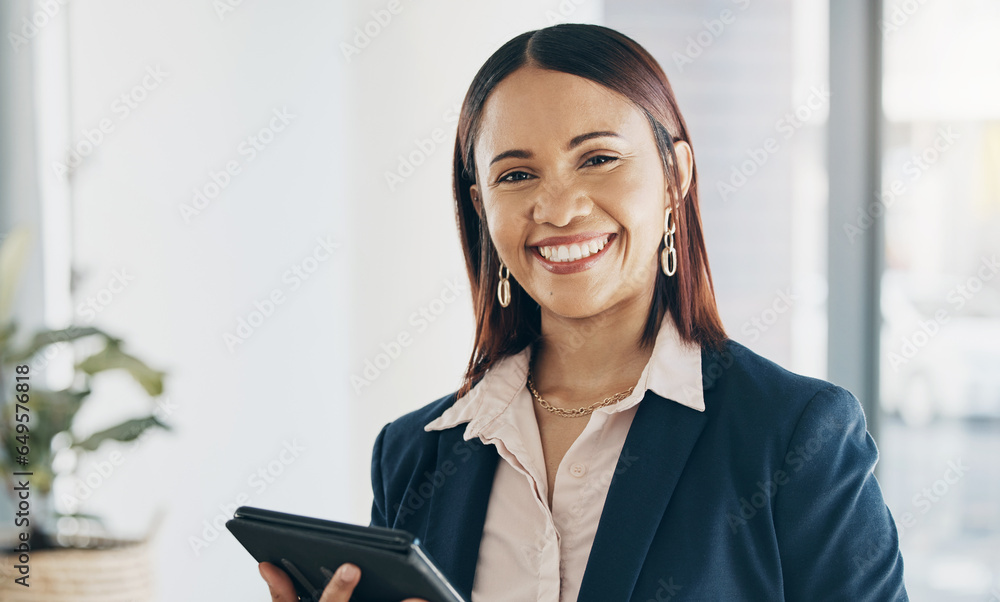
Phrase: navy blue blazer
pixel 766 495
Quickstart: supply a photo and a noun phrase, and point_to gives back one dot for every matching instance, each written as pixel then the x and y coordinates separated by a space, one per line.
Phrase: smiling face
pixel 571 185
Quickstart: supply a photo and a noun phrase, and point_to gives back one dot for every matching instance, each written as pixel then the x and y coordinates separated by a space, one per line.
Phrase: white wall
pixel 322 176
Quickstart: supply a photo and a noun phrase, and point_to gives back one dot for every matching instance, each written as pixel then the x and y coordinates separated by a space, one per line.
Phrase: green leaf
pixel 82 515
pixel 55 410
pixel 112 358
pixel 126 431
pixel 44 338
pixel 50 412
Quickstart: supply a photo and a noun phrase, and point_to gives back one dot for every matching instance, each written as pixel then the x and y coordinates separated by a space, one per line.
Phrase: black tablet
pixel 393 564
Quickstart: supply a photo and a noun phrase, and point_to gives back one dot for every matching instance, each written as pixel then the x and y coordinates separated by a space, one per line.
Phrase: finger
pixel 342 585
pixel 278 582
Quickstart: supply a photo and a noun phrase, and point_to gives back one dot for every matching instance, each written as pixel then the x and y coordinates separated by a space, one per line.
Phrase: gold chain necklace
pixel 576 411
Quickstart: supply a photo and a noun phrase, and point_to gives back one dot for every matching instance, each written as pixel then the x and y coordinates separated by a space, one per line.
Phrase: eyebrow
pixel 576 141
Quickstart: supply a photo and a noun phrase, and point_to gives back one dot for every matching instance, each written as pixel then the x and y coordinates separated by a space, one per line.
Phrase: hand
pixel 338 590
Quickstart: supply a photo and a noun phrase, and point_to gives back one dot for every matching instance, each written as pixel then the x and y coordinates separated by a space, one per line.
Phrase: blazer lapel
pixel 655 452
pixel 457 509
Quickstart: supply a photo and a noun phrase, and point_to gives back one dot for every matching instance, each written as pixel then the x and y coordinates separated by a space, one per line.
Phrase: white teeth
pixel 573 252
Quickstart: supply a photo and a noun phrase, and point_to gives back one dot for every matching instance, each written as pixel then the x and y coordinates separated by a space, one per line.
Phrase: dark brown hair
pixel 619 63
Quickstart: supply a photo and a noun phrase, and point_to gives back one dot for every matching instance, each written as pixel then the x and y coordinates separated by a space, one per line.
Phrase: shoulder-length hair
pixel 619 63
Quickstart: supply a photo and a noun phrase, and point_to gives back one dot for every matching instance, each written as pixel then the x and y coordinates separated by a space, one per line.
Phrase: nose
pixel 560 202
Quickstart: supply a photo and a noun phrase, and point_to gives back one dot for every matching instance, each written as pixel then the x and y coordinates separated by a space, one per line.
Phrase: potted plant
pixel 38 448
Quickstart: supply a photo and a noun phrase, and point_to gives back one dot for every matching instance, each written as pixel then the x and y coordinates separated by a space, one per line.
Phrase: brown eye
pixel 600 160
pixel 515 176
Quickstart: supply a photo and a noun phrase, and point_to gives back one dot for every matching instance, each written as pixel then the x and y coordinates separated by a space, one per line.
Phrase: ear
pixel 685 165
pixel 477 201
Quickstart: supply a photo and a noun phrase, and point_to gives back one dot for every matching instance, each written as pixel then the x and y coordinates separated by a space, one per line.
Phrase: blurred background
pixel 254 198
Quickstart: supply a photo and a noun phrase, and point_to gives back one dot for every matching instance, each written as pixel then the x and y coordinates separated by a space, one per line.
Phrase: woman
pixel 609 442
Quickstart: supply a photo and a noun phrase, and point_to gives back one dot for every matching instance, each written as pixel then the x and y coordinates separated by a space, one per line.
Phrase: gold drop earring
pixel 503 289
pixel 668 257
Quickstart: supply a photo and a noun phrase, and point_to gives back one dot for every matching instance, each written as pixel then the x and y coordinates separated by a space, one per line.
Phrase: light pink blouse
pixel 529 552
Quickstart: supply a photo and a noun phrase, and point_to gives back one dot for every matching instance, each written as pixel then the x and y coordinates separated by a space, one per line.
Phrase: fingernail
pixel 260 569
pixel 348 572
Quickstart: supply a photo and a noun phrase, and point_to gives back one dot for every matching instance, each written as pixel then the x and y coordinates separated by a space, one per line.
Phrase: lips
pixel 572 254
pixel 574 251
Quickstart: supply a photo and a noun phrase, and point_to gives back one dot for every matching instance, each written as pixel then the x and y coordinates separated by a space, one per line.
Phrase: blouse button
pixel 577 470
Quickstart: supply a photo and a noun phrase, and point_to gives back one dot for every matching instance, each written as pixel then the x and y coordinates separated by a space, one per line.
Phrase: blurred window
pixel 940 372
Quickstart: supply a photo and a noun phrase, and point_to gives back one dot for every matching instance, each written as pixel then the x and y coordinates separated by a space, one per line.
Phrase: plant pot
pixel 118 571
